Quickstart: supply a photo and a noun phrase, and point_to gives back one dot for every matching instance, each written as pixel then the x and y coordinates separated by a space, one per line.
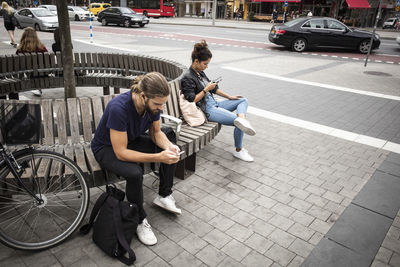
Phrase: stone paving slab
pixel 271 212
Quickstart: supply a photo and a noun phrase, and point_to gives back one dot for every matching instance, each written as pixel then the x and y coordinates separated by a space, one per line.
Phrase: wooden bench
pixel 68 125
pixel 19 73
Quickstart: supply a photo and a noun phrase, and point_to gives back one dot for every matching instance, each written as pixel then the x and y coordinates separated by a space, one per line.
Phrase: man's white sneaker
pixel 243 154
pixel 167 203
pixel 244 125
pixel 145 234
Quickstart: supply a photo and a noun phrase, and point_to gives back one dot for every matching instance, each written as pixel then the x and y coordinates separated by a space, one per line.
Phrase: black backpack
pixel 115 224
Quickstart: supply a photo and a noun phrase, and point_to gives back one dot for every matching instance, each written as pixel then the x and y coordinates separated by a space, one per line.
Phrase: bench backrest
pixel 20 73
pixel 76 119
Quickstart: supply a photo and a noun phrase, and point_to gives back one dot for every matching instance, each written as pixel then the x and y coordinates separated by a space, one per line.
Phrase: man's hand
pixel 174 148
pixel 235 97
pixel 169 157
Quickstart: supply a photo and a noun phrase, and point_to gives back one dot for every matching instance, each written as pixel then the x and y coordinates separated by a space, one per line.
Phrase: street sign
pixel 286 3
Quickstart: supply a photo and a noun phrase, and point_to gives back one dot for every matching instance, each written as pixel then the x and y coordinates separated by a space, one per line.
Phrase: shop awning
pixel 277 1
pixel 357 4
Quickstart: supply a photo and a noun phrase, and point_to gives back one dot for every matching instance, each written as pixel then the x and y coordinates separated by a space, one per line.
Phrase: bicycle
pixel 43 194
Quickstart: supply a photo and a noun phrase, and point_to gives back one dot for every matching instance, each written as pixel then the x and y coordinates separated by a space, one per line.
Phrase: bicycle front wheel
pixel 29 224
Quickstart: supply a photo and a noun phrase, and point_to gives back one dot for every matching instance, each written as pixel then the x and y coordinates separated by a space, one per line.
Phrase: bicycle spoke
pixel 56 215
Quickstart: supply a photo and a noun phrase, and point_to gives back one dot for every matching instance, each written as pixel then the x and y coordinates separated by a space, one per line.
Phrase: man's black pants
pixel 133 173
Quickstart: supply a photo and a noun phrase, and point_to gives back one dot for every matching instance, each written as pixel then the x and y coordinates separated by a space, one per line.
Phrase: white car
pixel 77 13
pixel 51 8
pixel 398 40
pixel 390 23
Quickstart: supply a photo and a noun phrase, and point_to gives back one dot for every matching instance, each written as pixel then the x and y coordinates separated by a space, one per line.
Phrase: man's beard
pixel 149 110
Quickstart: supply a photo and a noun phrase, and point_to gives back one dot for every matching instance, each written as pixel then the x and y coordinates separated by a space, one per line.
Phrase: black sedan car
pixel 121 16
pixel 303 33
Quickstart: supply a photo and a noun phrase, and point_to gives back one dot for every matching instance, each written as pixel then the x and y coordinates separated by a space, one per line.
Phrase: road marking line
pixel 346 135
pixel 106 46
pixel 334 56
pixel 390 62
pixel 327 86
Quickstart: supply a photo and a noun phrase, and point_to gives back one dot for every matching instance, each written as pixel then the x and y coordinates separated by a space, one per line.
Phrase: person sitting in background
pixel 56 47
pixel 30 43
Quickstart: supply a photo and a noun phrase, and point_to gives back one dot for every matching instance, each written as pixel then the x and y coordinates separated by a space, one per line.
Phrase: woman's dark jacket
pixel 191 85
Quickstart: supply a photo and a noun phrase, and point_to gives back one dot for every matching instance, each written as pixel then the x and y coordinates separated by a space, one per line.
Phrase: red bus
pixel 153 8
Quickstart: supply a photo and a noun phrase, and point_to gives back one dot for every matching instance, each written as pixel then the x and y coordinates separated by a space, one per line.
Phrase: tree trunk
pixel 66 49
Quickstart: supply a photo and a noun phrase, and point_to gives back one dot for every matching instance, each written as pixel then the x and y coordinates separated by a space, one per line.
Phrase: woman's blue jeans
pixel 222 112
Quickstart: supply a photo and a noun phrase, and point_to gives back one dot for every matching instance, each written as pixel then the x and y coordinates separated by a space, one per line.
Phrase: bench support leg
pixel 106 90
pixel 191 162
pixel 185 165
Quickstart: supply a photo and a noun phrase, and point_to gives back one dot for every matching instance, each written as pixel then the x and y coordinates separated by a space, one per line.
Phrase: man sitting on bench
pixel 120 144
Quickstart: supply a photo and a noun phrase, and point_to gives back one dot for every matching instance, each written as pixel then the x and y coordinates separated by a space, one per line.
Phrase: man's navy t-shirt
pixel 121 115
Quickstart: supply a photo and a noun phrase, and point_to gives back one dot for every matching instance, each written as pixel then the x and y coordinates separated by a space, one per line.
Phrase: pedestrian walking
pixel 9 21
pixel 197 88
pixel 30 43
pixel 274 16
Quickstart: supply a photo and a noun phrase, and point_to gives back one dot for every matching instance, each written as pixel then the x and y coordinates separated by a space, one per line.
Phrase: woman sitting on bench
pixel 199 89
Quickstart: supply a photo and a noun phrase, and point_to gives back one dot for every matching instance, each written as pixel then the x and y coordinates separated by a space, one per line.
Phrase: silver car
pixel 51 8
pixel 38 18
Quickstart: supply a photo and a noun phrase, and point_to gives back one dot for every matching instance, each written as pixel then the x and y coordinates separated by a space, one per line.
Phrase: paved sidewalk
pixel 272 212
pixel 252 25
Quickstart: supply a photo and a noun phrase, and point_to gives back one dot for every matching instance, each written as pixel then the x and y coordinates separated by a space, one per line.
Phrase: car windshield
pixel 41 12
pixel 76 8
pixel 52 8
pixel 126 10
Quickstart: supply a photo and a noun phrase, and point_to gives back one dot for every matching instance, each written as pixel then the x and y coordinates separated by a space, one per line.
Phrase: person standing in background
pixel 8 16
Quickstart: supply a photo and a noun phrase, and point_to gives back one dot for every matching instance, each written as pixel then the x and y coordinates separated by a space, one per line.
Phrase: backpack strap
pixel 121 236
pixel 99 203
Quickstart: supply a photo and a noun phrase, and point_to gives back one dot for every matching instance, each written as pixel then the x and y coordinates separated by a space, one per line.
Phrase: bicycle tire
pixel 28 225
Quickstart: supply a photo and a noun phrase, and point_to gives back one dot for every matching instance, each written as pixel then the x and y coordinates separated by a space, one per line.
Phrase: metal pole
pixel 214 12
pixel 90 23
pixel 373 33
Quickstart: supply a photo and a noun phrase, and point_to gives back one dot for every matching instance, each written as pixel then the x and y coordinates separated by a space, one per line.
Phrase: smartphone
pixel 217 80
pixel 180 153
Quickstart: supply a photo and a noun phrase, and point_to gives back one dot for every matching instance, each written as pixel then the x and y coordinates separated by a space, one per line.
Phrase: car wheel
pixel 37 27
pixel 363 47
pixel 76 18
pixel 127 23
pixel 104 22
pixel 141 25
pixel 145 13
pixel 299 45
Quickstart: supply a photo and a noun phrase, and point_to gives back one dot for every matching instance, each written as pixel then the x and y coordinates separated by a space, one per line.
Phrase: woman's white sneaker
pixel 243 154
pixel 244 125
pixel 145 233
pixel 167 203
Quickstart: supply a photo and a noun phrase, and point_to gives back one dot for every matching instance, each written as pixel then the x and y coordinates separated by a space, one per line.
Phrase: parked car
pixel 95 8
pixel 303 33
pixel 390 23
pixel 121 16
pixel 40 19
pixel 51 8
pixel 77 13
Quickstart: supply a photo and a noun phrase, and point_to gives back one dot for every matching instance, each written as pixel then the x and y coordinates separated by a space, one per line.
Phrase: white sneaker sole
pixel 147 243
pixel 245 129
pixel 241 158
pixel 161 205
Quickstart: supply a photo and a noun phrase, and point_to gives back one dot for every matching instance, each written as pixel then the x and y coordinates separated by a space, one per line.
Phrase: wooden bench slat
pixel 73 119
pixel 61 117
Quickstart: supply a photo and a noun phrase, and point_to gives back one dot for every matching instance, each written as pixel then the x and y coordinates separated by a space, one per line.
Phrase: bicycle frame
pixel 12 164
